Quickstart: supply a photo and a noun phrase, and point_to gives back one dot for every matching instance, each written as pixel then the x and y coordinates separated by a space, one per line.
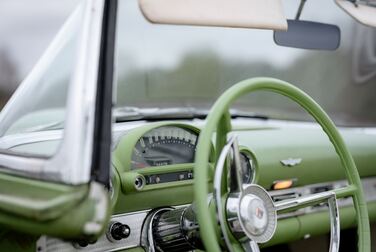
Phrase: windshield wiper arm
pixel 244 114
pixel 151 114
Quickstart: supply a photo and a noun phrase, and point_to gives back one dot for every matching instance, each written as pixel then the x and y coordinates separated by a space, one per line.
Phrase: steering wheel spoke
pixel 304 201
pixel 230 158
pixel 228 154
pixel 250 246
pixel 328 197
pixel 236 171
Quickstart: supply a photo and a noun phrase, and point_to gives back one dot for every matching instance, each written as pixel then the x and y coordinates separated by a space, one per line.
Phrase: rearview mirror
pixel 309 35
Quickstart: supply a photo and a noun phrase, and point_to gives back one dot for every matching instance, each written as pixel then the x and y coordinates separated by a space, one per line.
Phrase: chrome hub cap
pixel 253 214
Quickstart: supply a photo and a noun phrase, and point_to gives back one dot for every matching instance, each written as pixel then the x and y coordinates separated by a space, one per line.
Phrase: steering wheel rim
pixel 218 121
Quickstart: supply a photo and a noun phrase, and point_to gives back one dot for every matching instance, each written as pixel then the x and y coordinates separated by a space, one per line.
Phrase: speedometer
pixel 164 146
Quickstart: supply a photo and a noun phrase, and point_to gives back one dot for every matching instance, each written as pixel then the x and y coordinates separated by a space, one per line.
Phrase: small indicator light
pixel 282 184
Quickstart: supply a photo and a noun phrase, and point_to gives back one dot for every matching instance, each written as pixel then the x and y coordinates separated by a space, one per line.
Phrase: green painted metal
pixel 17 242
pixel 37 200
pixel 320 162
pixel 37 207
pixel 268 145
pixel 170 196
pixel 201 190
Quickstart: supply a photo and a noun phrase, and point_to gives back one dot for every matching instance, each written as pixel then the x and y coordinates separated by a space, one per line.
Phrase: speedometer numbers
pixel 164 146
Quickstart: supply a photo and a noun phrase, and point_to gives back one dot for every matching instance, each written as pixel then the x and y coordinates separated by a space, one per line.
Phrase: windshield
pixel 40 102
pixel 167 66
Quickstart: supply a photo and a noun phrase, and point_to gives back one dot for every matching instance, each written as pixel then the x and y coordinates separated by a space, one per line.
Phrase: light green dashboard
pixel 268 147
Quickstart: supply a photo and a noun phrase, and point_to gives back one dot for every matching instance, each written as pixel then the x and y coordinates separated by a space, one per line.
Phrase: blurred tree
pixel 202 75
pixel 8 76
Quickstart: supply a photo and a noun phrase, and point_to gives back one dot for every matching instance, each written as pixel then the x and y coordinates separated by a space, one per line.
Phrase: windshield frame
pixel 72 163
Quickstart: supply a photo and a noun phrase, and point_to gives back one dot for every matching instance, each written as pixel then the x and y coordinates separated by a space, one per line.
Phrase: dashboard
pixel 153 169
pixel 154 158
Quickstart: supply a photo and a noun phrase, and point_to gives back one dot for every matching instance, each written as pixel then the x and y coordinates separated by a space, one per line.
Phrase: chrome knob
pixel 119 231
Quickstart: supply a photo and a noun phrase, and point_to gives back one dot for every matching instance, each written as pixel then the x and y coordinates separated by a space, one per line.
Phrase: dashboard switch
pixel 118 231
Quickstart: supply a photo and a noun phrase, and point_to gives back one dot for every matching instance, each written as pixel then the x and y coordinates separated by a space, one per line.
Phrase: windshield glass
pixel 167 66
pixel 39 104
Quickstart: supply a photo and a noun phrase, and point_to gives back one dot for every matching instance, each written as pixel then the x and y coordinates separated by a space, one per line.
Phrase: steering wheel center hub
pixel 253 214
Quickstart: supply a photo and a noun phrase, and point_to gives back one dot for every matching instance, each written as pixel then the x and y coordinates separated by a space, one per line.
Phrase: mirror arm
pixel 355 2
pixel 300 9
pixel 364 2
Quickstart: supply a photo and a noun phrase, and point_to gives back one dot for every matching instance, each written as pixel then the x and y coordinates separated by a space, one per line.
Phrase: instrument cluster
pixel 163 146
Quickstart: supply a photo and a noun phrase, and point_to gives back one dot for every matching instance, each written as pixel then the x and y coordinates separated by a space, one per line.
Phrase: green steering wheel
pixel 252 198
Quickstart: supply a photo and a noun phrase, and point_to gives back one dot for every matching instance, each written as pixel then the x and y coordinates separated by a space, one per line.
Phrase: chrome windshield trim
pixel 72 162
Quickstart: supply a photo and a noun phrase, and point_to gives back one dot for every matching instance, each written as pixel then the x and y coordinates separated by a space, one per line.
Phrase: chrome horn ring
pixel 251 212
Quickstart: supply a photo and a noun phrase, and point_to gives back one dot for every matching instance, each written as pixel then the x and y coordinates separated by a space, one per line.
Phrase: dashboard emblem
pixel 291 161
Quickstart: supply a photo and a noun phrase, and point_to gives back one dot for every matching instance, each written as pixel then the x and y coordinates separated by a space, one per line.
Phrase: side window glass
pixel 38 106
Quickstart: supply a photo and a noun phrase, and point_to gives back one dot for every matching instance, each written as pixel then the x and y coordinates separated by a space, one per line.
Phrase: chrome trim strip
pixel 133 220
pixel 304 201
pixel 136 219
pixel 76 147
pixel 335 229
pixel 9 142
pixel 369 187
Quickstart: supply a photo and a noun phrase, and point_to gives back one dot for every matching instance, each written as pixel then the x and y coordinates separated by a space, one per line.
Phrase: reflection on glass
pixel 180 66
pixel 40 102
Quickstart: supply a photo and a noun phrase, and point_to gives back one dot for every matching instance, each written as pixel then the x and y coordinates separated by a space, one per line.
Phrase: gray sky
pixel 27 27
pixel 151 45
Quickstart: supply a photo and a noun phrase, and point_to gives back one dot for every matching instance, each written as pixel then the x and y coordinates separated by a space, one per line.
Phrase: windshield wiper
pixel 153 114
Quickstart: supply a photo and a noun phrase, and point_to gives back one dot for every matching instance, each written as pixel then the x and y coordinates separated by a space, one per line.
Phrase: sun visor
pixel 260 14
pixel 363 13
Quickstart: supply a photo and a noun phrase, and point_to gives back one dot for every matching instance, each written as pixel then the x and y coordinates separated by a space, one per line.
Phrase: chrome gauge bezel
pixel 252 162
pixel 167 136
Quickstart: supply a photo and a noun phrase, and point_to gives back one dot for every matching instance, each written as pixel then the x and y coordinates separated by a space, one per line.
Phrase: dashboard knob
pixel 119 231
